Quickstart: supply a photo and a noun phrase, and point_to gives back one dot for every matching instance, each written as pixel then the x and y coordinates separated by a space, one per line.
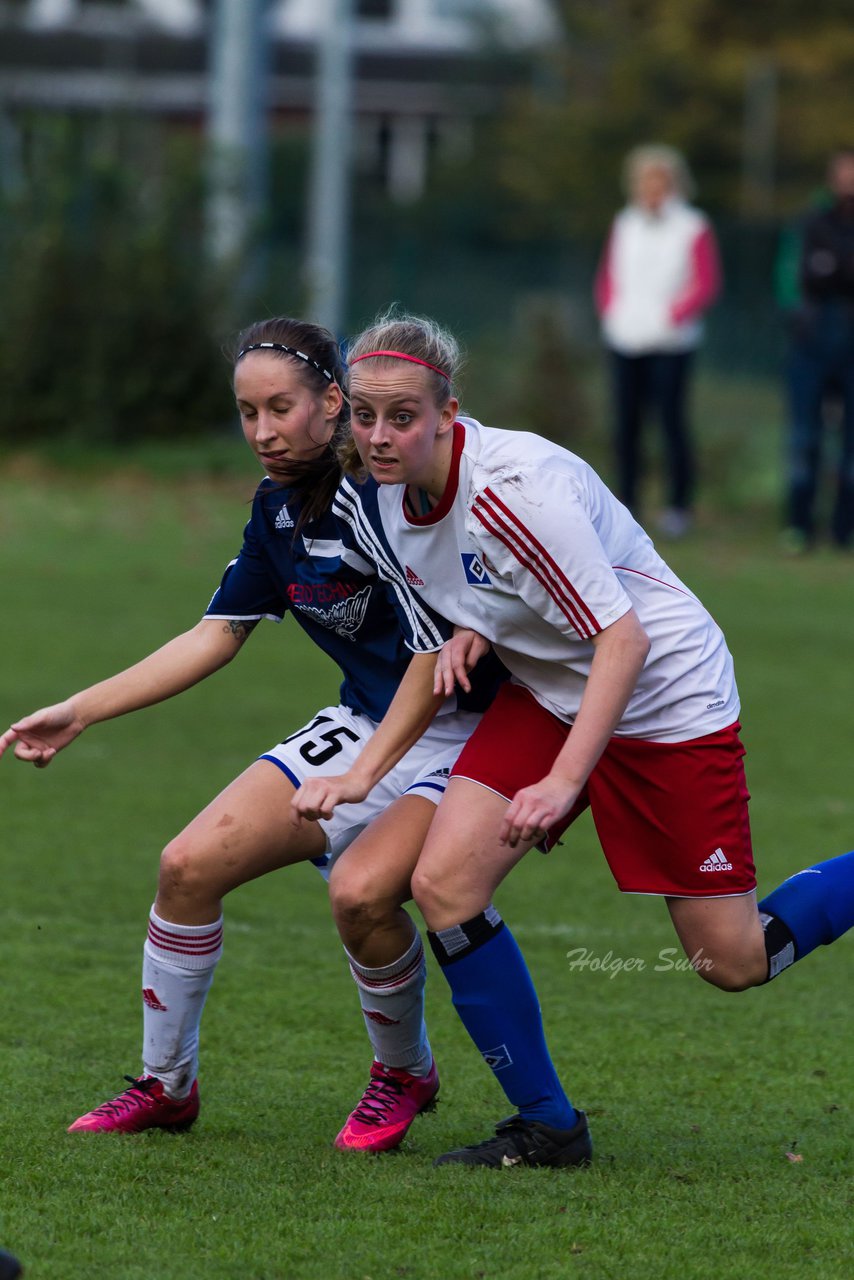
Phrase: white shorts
pixel 331 743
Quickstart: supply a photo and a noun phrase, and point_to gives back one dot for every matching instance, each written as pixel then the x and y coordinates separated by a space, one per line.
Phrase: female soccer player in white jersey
pixel 287 383
pixel 622 698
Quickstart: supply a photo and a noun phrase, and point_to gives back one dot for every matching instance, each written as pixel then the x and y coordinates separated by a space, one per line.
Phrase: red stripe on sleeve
pixel 500 521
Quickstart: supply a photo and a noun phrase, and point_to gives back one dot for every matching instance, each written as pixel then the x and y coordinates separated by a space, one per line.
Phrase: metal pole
pixel 11 164
pixel 237 128
pixel 327 254
pixel 760 131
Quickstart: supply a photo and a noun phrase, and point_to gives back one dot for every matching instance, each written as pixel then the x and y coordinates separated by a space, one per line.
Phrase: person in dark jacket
pixel 821 361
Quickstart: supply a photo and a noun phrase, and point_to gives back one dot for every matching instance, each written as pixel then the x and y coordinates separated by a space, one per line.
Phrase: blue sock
pixel 495 998
pixel 816 906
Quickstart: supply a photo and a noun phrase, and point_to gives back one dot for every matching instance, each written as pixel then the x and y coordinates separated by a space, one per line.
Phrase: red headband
pixel 401 355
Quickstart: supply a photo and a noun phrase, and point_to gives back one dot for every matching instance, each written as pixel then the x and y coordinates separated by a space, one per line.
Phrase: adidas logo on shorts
pixel 717 862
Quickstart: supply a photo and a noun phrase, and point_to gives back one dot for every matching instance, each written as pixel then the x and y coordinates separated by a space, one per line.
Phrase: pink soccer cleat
pixel 390 1103
pixel 143 1106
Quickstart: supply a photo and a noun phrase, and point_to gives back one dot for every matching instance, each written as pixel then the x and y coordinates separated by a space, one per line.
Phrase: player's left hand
pixel 457 657
pixel 318 797
pixel 535 809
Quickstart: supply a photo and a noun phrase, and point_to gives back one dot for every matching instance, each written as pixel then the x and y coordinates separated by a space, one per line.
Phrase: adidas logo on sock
pixel 412 578
pixel 149 996
pixel 283 520
pixel 381 1018
pixel 717 862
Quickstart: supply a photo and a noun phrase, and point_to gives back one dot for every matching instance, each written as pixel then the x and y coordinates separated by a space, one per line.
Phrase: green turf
pixel 695 1097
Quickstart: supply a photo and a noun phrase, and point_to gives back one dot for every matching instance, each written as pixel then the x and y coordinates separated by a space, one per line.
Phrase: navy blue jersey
pixel 367 628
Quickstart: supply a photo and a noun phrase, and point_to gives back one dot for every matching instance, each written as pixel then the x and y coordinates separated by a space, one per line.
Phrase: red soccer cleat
pixel 143 1106
pixel 390 1103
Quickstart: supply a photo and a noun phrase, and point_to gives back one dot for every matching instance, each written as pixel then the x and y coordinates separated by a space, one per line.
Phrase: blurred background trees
pixel 755 95
pixel 112 313
pixel 108 313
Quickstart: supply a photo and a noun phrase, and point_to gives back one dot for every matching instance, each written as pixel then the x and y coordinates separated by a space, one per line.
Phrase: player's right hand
pixel 38 737
pixel 317 797
pixel 535 809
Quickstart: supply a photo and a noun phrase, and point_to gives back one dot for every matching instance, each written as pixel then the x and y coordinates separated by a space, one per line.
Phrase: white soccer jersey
pixel 530 548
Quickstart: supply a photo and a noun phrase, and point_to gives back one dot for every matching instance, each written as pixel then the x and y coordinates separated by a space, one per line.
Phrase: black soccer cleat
pixel 10 1267
pixel 519 1141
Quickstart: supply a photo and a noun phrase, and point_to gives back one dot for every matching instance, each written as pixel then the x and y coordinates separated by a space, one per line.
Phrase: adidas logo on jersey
pixel 283 520
pixel 413 579
pixel 717 862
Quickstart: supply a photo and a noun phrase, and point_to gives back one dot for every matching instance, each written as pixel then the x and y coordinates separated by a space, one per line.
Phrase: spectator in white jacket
pixel 658 273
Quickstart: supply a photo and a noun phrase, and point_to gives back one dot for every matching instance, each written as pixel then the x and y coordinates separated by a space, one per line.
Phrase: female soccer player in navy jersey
pixel 287 384
pixel 622 698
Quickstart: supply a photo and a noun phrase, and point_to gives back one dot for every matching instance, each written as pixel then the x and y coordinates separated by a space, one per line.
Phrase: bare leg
pixel 461 866
pixel 368 884
pixel 724 939
pixel 241 835
pixel 462 863
pixel 371 880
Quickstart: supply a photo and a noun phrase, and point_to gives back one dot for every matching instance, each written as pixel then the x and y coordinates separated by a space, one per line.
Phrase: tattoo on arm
pixel 240 628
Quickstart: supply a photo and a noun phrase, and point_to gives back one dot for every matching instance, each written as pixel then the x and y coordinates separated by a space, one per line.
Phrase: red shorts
pixel 671 816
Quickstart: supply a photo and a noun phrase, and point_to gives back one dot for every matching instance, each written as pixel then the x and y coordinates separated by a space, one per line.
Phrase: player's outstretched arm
pixel 412 709
pixel 178 665
pixel 39 736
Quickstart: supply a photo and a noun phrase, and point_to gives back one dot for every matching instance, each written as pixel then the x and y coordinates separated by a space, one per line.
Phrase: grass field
pixel 697 1100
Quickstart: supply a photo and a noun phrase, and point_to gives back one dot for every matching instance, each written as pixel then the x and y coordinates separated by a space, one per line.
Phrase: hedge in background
pixel 110 319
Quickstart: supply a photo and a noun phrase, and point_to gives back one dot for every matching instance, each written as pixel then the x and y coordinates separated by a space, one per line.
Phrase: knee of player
pixel 181 872
pixel 431 896
pixel 728 973
pixel 356 907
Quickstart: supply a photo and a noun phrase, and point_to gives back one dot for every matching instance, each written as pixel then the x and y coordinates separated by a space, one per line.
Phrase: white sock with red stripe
pixel 392 1001
pixel 178 963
